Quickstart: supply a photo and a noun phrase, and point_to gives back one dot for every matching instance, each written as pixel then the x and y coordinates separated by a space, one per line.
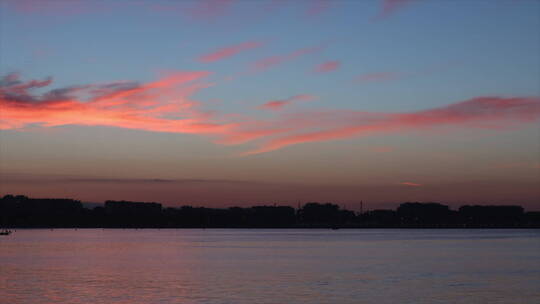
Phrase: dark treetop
pixel 23 212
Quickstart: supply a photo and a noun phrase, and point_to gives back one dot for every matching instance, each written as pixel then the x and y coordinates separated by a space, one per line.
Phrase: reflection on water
pixel 270 266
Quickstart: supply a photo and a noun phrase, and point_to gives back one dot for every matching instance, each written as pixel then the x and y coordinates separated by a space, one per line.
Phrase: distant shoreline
pixel 18 212
pixel 273 228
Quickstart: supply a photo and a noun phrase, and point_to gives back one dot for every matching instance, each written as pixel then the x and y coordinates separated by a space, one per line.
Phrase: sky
pixel 236 103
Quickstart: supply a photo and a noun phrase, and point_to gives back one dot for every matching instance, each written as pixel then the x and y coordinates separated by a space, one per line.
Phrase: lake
pixel 270 266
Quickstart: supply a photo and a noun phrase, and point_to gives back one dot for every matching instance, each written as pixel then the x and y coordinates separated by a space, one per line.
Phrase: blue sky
pixel 474 48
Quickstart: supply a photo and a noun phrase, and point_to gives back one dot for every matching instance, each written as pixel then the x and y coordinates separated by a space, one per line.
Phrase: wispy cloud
pixel 210 9
pixel 493 113
pixel 150 180
pixel 386 76
pixel 378 77
pixel 382 149
pixel 389 7
pixel 410 184
pixel 56 178
pixel 54 7
pixel 518 164
pixel 328 66
pixel 317 7
pixel 279 104
pixel 268 62
pixel 228 51
pixel 204 11
pixel 165 105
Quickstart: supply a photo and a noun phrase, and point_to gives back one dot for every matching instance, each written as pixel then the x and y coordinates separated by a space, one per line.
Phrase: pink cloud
pixel 378 77
pixel 328 66
pixel 228 51
pixel 391 76
pixel 162 106
pixel 245 134
pixel 493 113
pixel 318 7
pixel 210 9
pixel 165 105
pixel 200 10
pixel 50 7
pixel 410 184
pixel 389 7
pixel 268 62
pixel 279 104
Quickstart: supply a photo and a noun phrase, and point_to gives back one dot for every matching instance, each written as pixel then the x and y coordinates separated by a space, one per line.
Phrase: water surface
pixel 270 266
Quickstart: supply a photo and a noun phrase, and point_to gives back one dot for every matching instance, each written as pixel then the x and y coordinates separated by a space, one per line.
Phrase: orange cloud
pixel 279 104
pixel 328 66
pixel 161 106
pixel 228 51
pixel 165 105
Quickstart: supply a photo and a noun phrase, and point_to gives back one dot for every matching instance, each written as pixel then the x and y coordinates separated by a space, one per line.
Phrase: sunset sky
pixel 241 102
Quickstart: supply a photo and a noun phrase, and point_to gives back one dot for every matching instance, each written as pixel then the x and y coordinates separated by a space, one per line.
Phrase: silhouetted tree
pixel 40 212
pixel 21 211
pixel 485 216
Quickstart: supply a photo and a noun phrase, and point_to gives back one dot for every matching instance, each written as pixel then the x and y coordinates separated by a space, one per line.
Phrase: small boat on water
pixel 5 232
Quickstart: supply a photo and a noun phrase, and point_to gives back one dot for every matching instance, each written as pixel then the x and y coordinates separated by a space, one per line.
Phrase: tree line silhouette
pixel 23 212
